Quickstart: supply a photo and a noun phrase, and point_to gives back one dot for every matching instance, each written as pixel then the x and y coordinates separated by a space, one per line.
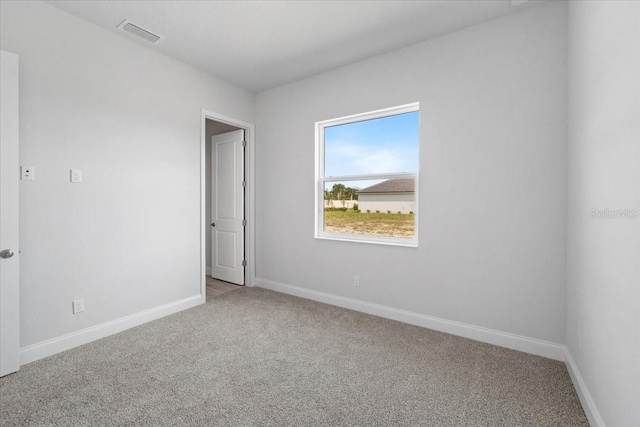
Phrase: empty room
pixel 320 213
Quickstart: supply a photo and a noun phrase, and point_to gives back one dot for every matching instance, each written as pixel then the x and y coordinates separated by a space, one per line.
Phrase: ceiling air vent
pixel 139 32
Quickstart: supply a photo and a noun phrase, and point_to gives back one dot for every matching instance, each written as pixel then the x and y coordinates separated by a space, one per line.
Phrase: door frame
pixel 249 197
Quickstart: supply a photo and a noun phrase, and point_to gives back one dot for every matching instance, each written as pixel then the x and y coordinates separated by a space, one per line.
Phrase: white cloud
pixel 354 159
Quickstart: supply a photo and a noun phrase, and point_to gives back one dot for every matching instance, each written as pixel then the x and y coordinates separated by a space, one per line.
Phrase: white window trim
pixel 321 180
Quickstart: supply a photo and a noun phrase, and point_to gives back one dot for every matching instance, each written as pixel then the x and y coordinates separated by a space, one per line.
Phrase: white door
pixel 227 207
pixel 9 284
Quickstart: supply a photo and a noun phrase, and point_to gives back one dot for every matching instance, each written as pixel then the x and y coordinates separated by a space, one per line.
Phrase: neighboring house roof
pixel 400 185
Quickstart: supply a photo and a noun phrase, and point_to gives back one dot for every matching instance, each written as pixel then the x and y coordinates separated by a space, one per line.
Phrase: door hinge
pixel 244 222
pixel 244 184
pixel 244 262
pixel 244 143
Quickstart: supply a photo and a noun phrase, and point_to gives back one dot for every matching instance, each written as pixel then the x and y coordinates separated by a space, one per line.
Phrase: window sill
pixel 387 241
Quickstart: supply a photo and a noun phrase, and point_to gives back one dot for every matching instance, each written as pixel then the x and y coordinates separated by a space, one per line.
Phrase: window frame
pixel 321 179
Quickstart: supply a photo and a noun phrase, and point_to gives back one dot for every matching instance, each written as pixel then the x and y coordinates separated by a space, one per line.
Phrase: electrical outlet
pixel 76 175
pixel 27 173
pixel 78 306
pixel 356 280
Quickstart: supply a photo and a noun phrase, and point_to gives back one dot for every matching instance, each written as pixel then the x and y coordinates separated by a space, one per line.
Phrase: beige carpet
pixel 258 358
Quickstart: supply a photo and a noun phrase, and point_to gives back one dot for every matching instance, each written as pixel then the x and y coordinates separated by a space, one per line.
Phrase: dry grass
pixel 379 224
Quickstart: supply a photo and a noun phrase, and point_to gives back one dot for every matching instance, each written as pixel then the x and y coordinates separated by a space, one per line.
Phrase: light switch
pixel 76 175
pixel 27 173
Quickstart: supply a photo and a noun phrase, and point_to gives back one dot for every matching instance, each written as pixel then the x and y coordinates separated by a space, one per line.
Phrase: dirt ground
pixel 379 224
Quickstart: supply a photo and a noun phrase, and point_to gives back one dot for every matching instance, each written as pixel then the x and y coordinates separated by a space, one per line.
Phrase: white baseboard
pixel 588 405
pixel 478 333
pixel 53 346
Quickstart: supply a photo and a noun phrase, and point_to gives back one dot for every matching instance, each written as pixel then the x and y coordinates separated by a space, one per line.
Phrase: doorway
pixel 227 204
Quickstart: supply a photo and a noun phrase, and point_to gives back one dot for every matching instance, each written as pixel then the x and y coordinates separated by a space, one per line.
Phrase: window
pixel 367 177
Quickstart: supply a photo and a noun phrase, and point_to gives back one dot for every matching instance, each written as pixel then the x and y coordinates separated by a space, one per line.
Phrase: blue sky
pixel 384 145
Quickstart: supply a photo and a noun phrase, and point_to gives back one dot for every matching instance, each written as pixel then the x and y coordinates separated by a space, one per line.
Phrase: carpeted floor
pixel 253 357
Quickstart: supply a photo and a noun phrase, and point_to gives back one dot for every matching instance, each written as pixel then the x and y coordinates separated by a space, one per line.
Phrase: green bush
pixel 368 211
pixel 334 209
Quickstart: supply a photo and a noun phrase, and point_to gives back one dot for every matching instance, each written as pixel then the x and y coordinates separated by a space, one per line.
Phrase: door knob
pixel 213 224
pixel 7 253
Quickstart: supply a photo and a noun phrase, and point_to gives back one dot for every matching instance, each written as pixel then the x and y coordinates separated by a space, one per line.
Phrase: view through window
pixel 367 175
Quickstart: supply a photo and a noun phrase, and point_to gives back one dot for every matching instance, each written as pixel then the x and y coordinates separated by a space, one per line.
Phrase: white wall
pixel 329 203
pixel 603 263
pixel 394 202
pixel 492 170
pixel 128 238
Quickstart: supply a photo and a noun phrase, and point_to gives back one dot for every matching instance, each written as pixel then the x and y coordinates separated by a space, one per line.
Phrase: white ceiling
pixel 258 45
